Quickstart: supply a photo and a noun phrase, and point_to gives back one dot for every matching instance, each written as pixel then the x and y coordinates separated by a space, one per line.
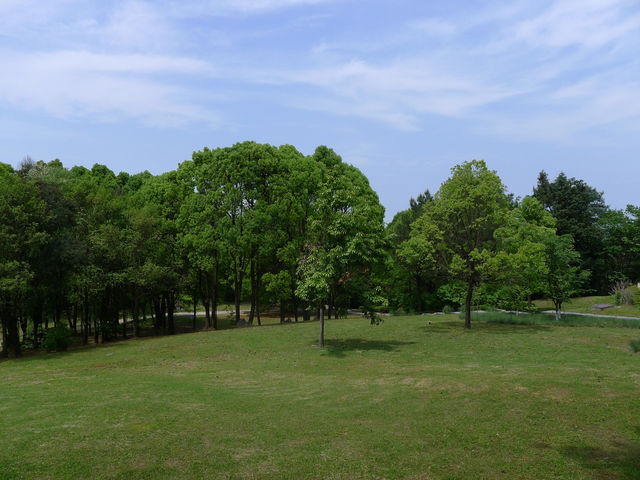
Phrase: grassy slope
pixel 584 304
pixel 405 399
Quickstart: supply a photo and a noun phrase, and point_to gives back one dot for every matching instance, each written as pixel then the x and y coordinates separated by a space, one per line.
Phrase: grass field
pixel 584 304
pixel 406 399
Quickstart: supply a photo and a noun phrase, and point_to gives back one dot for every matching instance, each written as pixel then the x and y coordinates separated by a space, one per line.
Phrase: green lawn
pixel 405 399
pixel 584 304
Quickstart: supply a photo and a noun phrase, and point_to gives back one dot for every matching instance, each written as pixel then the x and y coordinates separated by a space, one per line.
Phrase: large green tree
pixel 455 234
pixel 345 238
pixel 577 208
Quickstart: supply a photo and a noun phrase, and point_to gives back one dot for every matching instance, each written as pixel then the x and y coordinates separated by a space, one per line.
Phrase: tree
pixel 521 259
pixel 22 214
pixel 410 281
pixel 577 208
pixel 344 239
pixel 456 230
pixel 564 276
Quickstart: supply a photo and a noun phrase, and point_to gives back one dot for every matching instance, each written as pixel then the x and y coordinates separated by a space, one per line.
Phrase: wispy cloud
pixel 72 84
pixel 537 65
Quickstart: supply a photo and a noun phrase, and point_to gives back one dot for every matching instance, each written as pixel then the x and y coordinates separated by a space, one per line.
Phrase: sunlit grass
pixel 416 397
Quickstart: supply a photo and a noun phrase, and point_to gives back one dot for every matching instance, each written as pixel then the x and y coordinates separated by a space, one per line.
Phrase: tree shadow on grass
pixel 340 348
pixel 484 327
pixel 620 460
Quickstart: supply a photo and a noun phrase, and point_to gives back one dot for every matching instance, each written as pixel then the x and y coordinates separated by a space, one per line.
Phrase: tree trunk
pixel 195 309
pixel 237 289
pixel 24 324
pixel 214 299
pixel 124 323
pixel 75 318
pixel 5 350
pixel 37 321
pixel 282 307
pixel 558 307
pixel 322 326
pixel 171 302
pixel 135 313
pixel 252 280
pixel 467 306
pixel 85 316
pixel 205 296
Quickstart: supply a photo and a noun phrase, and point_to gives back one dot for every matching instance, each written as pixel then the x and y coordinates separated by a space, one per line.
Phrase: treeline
pixel 100 253
pixel 84 248
pixel 472 242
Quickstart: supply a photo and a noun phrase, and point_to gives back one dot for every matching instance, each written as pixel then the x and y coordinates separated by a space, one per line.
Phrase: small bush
pixel 635 345
pixel 447 309
pixel 57 338
pixel 622 292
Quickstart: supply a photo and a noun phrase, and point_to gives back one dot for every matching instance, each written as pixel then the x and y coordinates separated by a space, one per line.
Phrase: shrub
pixel 447 309
pixel 635 345
pixel 57 338
pixel 622 292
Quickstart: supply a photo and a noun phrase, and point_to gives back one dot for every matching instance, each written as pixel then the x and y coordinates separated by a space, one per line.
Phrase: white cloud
pixel 589 23
pixel 72 84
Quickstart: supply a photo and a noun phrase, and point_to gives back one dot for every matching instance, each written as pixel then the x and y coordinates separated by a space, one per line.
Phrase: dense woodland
pixel 101 254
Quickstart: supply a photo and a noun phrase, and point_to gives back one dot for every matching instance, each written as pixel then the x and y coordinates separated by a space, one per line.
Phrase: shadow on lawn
pixel 484 327
pixel 339 348
pixel 620 460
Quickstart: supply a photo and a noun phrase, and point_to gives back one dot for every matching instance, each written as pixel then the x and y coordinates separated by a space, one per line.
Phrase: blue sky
pixel 402 89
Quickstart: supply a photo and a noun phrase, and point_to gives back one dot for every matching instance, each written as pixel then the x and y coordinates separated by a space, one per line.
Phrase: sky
pixel 404 89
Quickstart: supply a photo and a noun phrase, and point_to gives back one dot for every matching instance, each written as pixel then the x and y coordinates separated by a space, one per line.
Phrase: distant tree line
pixel 102 254
pixel 86 248
pixel 472 243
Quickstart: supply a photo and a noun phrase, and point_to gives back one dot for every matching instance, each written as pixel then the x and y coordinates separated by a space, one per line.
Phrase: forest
pixel 101 255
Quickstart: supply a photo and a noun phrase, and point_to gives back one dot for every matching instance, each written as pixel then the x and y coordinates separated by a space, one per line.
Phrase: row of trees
pixel 281 230
pixel 474 241
pixel 256 222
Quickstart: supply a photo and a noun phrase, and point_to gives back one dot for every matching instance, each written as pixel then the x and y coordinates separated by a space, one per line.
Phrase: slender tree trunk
pixel 252 280
pixel 322 326
pixel 124 323
pixel 5 339
pixel 195 310
pixel 75 317
pixel 467 306
pixel 85 316
pixel 529 301
pixel 237 289
pixel 135 313
pixel 205 296
pixel 96 330
pixel 14 337
pixel 258 293
pixel 558 310
pixel 24 325
pixel 171 302
pixel 163 312
pixel 37 321
pixel 214 300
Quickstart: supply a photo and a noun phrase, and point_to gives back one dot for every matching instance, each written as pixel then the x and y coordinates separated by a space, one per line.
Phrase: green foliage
pixel 635 345
pixel 578 208
pixel 454 237
pixel 57 339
